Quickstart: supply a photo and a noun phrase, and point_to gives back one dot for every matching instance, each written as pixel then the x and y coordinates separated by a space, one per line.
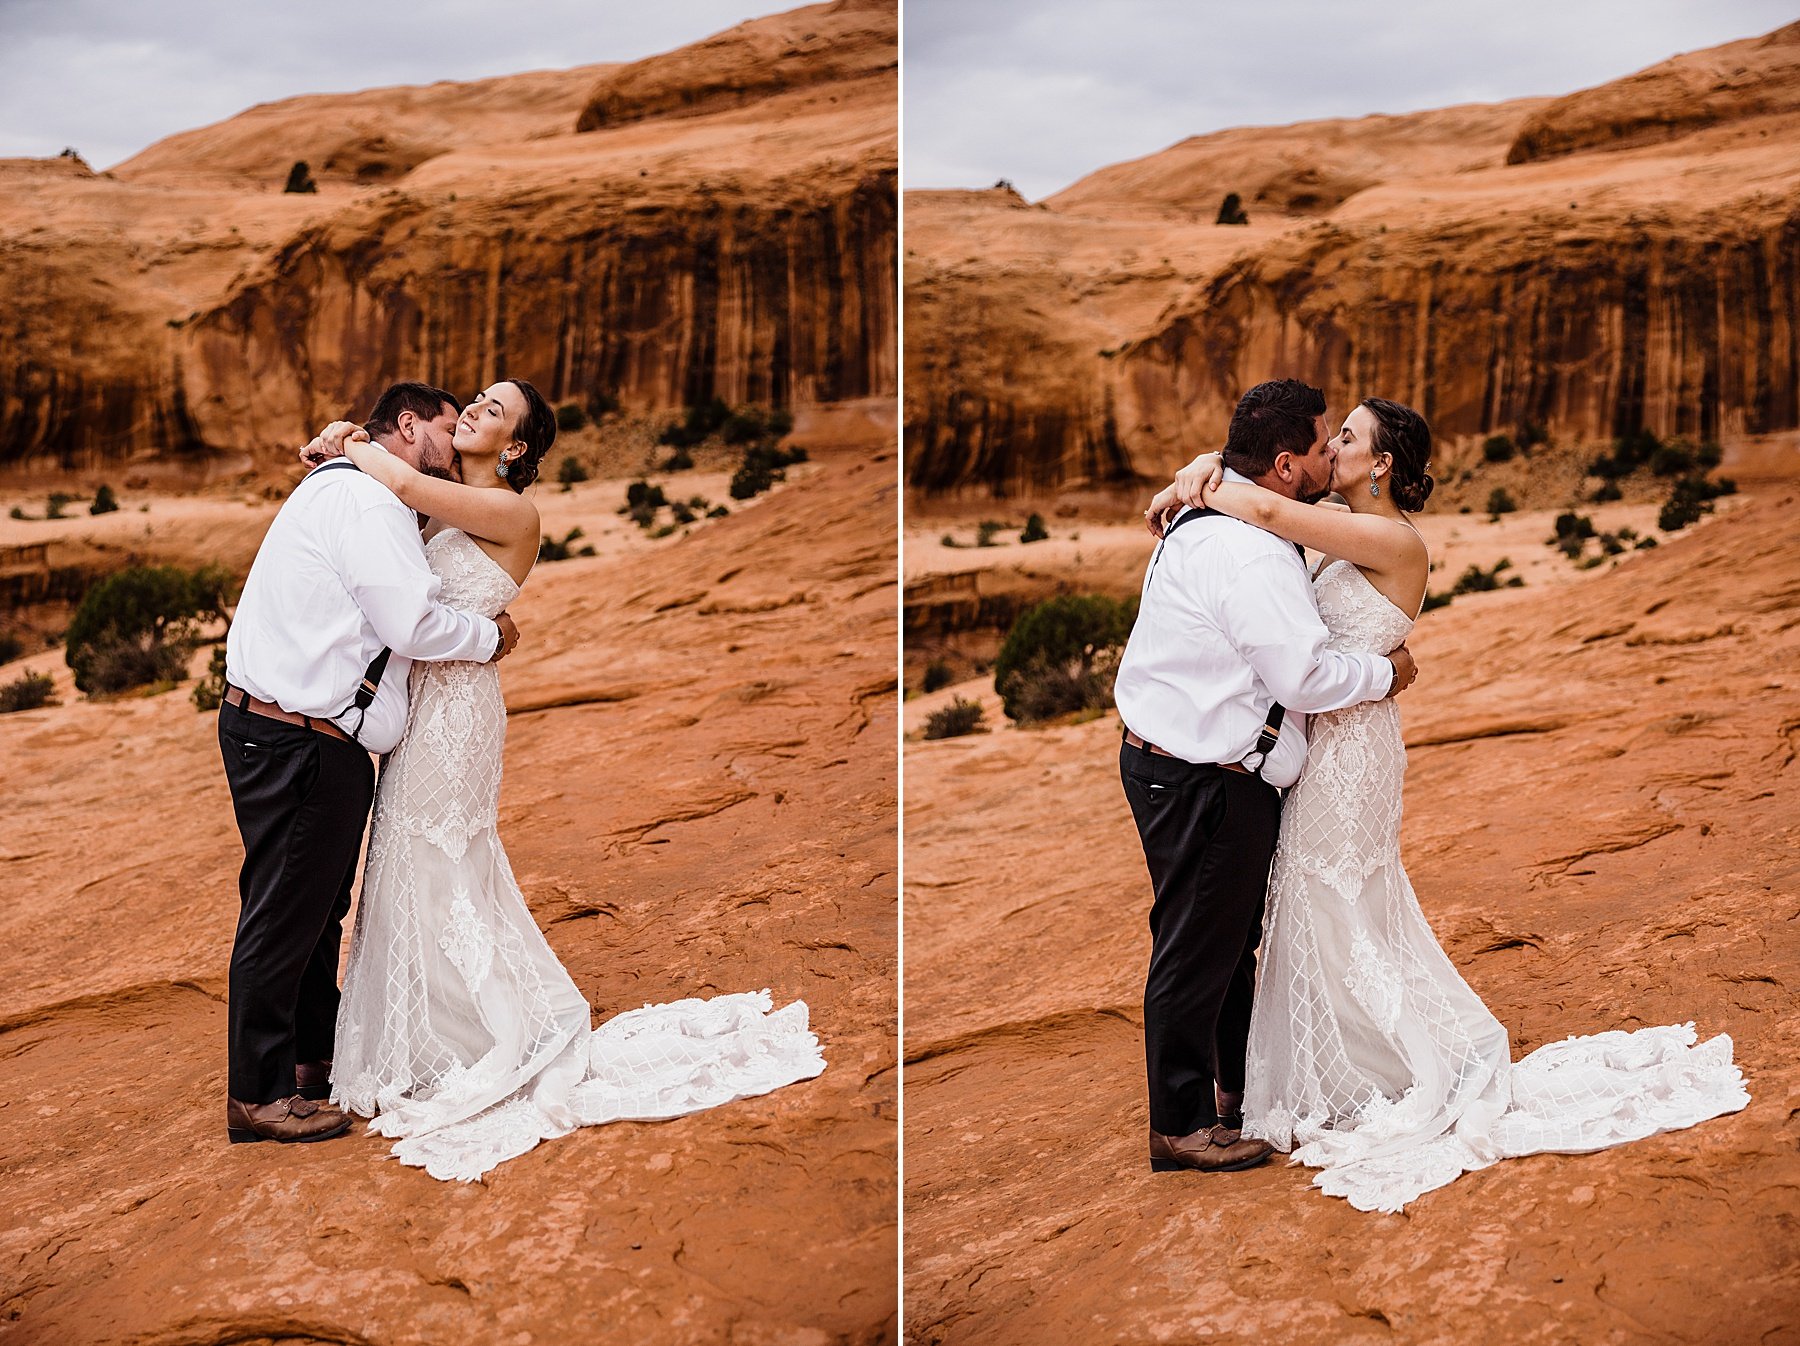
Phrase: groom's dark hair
pixel 421 399
pixel 1272 418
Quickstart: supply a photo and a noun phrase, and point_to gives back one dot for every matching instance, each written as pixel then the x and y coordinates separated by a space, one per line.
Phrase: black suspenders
pixel 1271 730
pixel 371 678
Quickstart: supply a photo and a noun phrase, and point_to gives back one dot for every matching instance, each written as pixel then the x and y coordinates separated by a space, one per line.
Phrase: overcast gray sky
pixel 109 77
pixel 1043 92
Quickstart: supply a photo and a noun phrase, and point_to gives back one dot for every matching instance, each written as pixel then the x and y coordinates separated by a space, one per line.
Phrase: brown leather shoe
pixel 1215 1149
pixel 312 1079
pixel 286 1119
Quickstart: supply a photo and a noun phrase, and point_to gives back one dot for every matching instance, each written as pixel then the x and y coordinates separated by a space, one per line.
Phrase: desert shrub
pixel 781 422
pixel 937 676
pixel 571 472
pixel 571 416
pixel 18 513
pixel 1497 449
pixel 1606 491
pixel 300 178
pixel 675 434
pixel 105 502
pixel 139 626
pixel 31 691
pixel 984 533
pixel 1673 459
pixel 209 691
pixel 550 549
pixel 1061 654
pixel 764 464
pixel 679 461
pixel 949 540
pixel 1034 529
pixel 744 426
pixel 1708 456
pixel 1475 580
pixel 1499 502
pixel 1231 210
pixel 11 647
pixel 961 716
pixel 641 492
pixel 601 403
pixel 59 501
pixel 1531 434
pixel 1691 498
pixel 1573 525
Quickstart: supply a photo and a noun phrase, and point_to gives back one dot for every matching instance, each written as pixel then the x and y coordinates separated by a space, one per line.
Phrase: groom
pixel 1227 635
pixel 338 604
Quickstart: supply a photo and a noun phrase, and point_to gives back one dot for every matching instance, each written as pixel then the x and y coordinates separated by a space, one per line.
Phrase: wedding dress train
pixel 1370 1057
pixel 459 1031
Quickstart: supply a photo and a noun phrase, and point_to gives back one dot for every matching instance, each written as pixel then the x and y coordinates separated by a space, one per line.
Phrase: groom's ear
pixel 1283 467
pixel 404 425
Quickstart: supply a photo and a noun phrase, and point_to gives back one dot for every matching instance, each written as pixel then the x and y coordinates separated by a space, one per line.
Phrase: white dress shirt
pixel 1227 626
pixel 340 575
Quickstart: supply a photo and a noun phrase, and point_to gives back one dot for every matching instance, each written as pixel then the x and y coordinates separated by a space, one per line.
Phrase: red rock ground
pixel 1602 829
pixel 700 797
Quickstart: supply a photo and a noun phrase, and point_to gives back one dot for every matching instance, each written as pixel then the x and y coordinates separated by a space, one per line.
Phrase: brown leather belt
pixel 1137 742
pixel 237 696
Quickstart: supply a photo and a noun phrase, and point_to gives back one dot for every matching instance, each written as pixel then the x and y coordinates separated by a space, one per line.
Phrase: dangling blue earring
pixel 1373 488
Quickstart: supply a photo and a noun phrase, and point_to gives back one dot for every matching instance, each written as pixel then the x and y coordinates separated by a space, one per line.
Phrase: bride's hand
pixel 329 442
pixel 1198 477
pixel 1163 506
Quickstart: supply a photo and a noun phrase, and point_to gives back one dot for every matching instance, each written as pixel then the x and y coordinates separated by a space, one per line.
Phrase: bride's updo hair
pixel 1402 434
pixel 537 428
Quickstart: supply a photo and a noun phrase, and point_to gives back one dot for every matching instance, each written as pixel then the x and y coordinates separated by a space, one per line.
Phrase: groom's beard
pixel 451 471
pixel 1312 496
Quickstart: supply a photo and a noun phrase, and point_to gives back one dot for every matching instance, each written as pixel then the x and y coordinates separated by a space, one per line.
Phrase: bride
pixel 1370 1058
pixel 459 1032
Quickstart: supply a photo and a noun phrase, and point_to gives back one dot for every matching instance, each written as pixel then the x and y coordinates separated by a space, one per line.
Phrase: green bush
pixel 601 403
pixel 105 502
pixel 1606 491
pixel 59 501
pixel 571 416
pixel 209 691
pixel 139 626
pixel 1499 502
pixel 1691 497
pixel 549 549
pixel 28 693
pixel 984 534
pixel 1672 460
pixel 571 472
pixel 1531 434
pixel 641 492
pixel 960 717
pixel 1034 529
pixel 1061 654
pixel 937 676
pixel 300 178
pixel 745 426
pixel 1231 210
pixel 764 464
pixel 11 647
pixel 1497 449
pixel 1474 580
pixel 679 461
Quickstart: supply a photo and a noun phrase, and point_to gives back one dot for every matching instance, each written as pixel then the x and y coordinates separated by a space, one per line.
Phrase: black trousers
pixel 1209 837
pixel 302 802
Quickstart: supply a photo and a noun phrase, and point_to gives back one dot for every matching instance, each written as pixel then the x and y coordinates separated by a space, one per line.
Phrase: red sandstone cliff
pixel 1628 256
pixel 740 245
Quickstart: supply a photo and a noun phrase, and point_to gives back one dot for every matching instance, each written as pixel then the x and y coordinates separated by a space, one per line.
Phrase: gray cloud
pixel 1043 92
pixel 109 77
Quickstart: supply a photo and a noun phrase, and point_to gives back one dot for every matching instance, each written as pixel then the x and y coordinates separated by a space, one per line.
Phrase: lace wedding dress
pixel 1369 1057
pixel 459 1031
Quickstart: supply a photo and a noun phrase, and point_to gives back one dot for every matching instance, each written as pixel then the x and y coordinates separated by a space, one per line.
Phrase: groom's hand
pixel 509 637
pixel 1406 669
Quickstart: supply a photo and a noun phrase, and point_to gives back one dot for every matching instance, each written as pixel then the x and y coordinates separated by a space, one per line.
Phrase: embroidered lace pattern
pixel 459 1031
pixel 1370 1057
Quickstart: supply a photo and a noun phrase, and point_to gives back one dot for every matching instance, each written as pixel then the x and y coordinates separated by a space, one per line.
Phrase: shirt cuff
pixel 498 641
